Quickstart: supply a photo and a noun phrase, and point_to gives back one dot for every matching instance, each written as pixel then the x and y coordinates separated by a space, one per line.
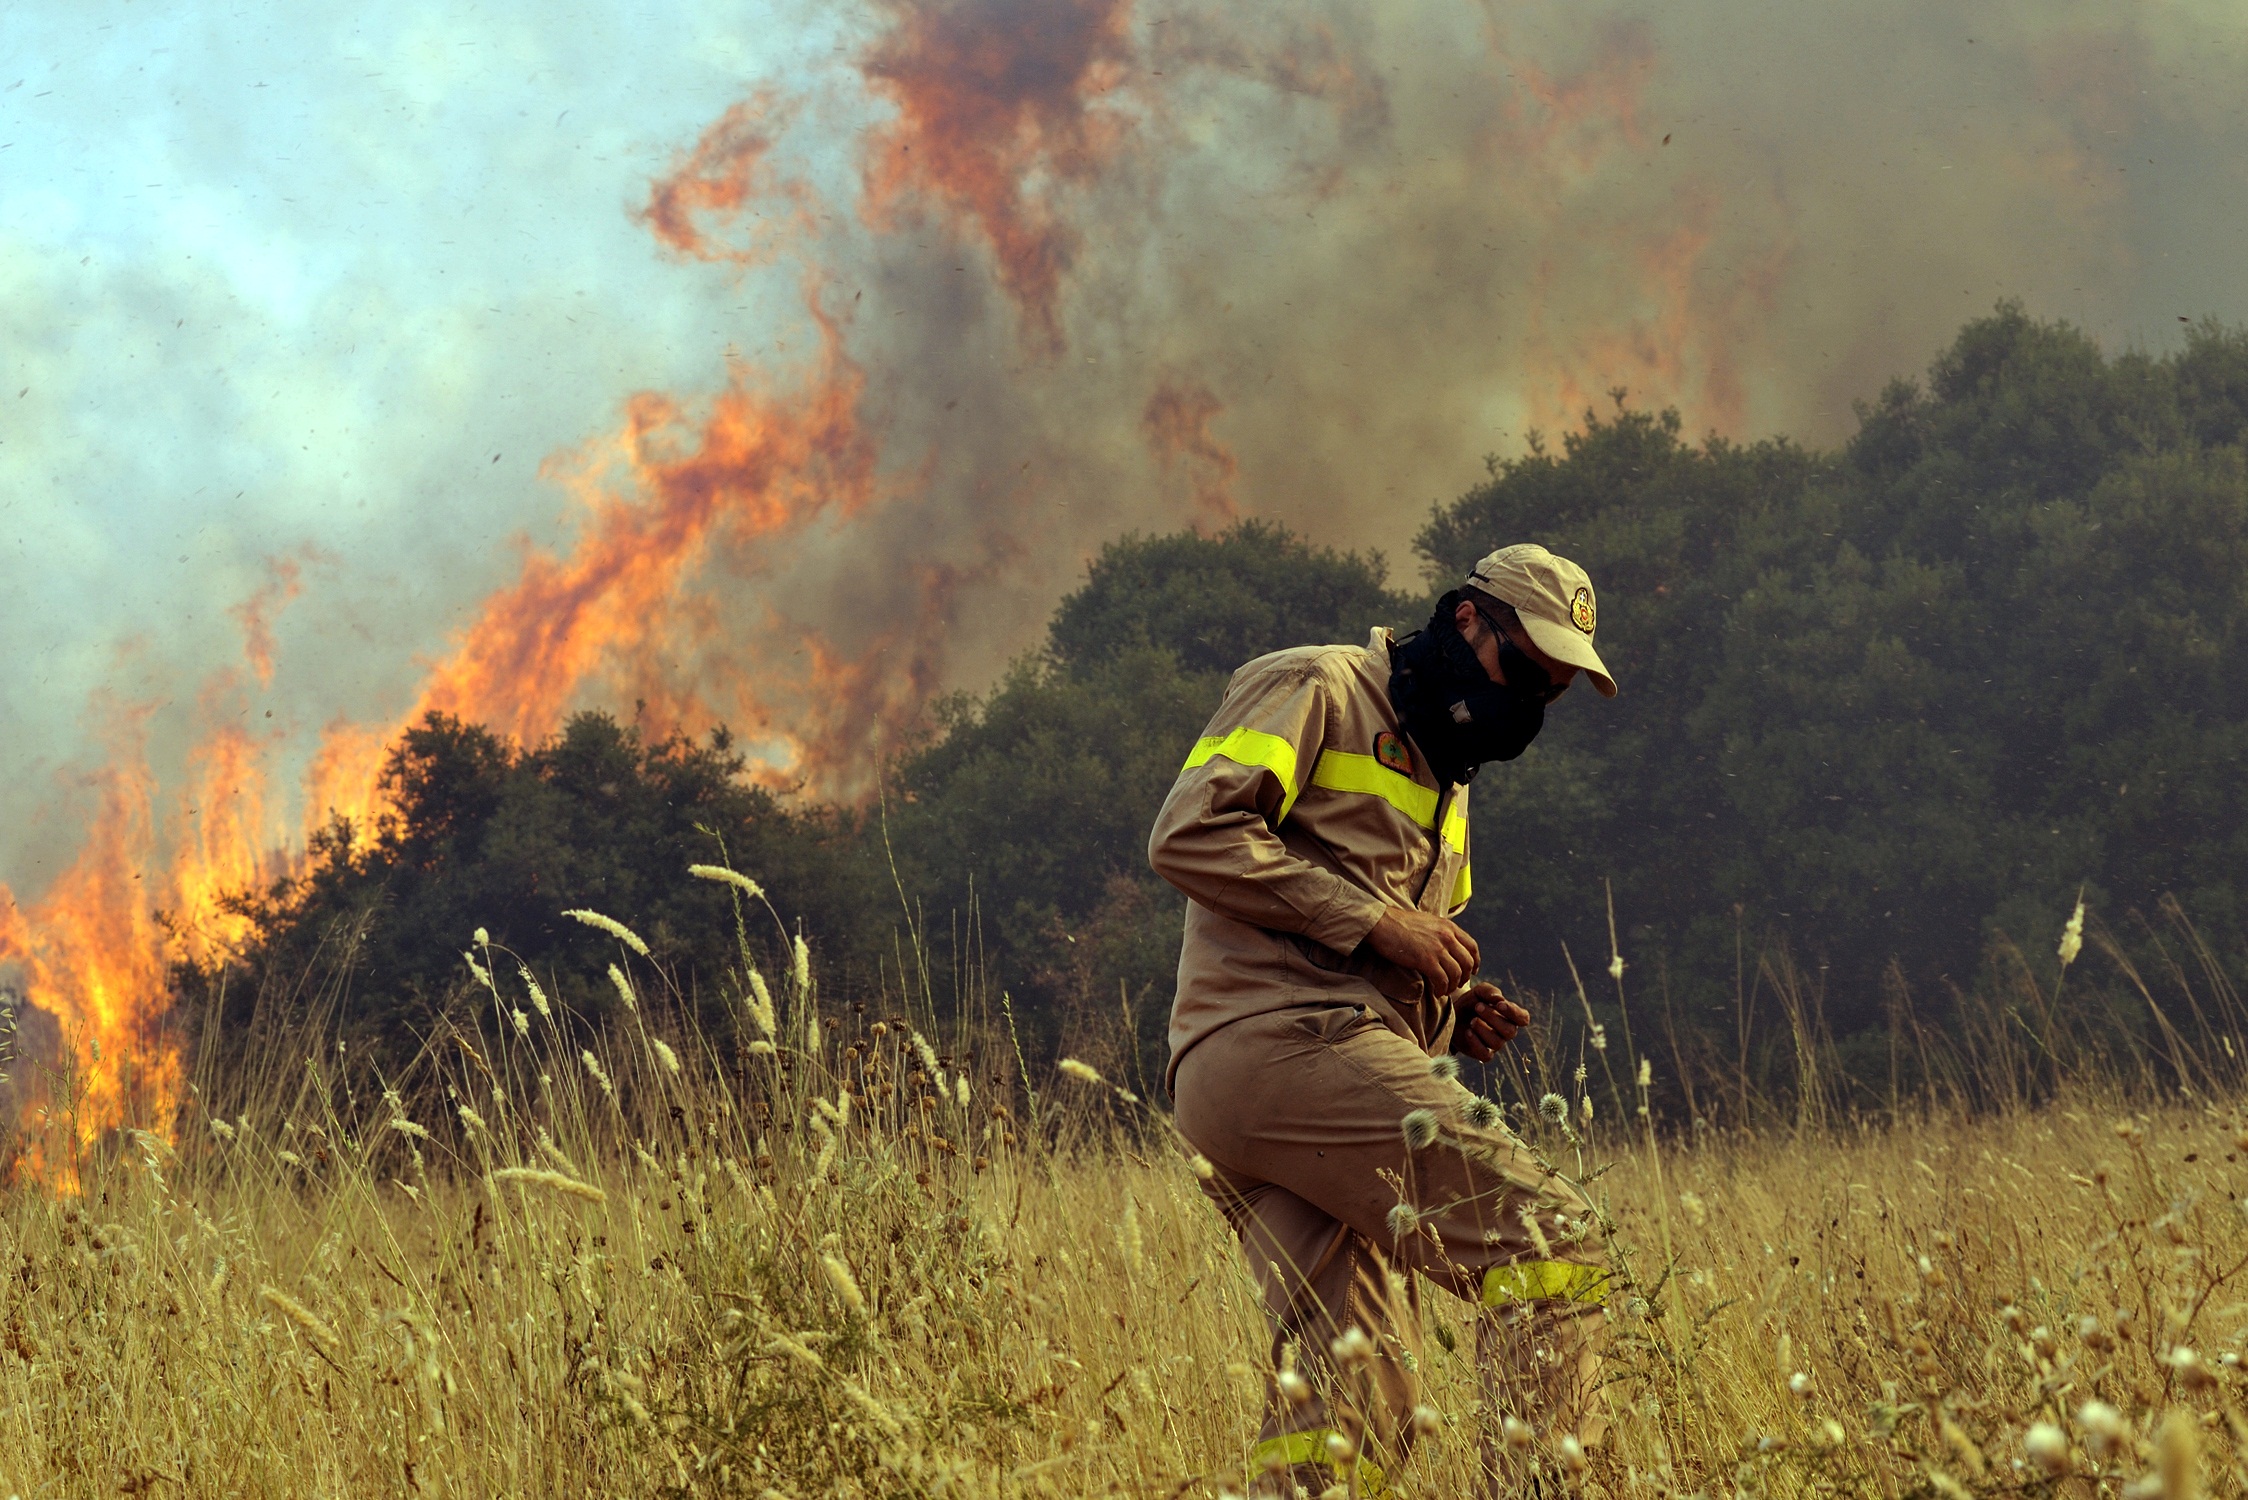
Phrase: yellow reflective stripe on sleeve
pixel 1342 771
pixel 1310 1447
pixel 1463 887
pixel 1544 1281
pixel 1251 747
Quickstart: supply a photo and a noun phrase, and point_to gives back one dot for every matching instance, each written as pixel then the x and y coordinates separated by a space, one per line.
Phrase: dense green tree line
pixel 1883 708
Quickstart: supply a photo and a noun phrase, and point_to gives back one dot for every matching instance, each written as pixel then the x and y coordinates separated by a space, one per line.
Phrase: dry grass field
pixel 836 1264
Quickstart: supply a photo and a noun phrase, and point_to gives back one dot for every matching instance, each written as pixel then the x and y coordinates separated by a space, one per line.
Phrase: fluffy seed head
pixel 1353 1348
pixel 2047 1447
pixel 2072 935
pixel 1293 1386
pixel 1444 1065
pixel 1403 1219
pixel 538 996
pixel 1616 966
pixel 1081 1071
pixel 1554 1108
pixel 593 1066
pixel 624 987
pixel 1799 1385
pixel 1426 1421
pixel 611 926
pixel 483 938
pixel 408 1127
pixel 1516 1433
pixel 1484 1114
pixel 665 1055
pixel 2104 1429
pixel 1572 1453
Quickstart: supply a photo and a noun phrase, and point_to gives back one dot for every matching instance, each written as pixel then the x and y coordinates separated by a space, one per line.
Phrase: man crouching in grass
pixel 1320 829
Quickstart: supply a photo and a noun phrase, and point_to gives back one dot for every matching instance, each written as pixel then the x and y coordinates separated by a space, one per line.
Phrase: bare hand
pixel 1436 948
pixel 1488 1021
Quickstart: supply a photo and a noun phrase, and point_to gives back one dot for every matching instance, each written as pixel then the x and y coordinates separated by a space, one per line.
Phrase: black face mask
pixel 1457 715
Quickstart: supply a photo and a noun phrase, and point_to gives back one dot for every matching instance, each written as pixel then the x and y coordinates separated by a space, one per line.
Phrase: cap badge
pixel 1391 752
pixel 1581 610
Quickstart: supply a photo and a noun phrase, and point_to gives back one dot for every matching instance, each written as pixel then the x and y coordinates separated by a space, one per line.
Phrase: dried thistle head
pixel 1554 1108
pixel 1445 1066
pixel 1484 1114
pixel 1419 1128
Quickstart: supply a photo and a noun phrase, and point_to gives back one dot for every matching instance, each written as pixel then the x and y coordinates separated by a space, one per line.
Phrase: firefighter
pixel 1319 829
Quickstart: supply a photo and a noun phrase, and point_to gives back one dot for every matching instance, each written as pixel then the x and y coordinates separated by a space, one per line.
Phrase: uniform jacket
pixel 1303 811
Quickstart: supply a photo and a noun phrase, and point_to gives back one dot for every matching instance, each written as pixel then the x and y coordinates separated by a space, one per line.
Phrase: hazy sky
pixel 299 305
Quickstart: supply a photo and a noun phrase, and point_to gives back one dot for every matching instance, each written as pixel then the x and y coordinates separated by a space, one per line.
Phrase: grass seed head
pixel 304 1317
pixel 613 927
pixel 724 876
pixel 2177 1456
pixel 846 1285
pixel 2047 1447
pixel 558 1182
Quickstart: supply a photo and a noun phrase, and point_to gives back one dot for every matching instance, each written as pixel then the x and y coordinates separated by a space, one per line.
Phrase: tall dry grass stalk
pixel 853 1260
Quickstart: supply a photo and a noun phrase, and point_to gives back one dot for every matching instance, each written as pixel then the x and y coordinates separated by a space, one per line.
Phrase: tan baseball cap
pixel 1553 597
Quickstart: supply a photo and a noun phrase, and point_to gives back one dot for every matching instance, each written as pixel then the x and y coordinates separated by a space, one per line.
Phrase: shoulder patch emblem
pixel 1391 752
pixel 1581 610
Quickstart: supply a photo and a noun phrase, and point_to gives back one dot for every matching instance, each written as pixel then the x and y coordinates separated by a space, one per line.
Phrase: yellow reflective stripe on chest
pixel 1252 747
pixel 1341 771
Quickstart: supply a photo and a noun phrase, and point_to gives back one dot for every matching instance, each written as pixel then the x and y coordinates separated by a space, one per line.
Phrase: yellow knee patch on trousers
pixel 1545 1281
pixel 1311 1447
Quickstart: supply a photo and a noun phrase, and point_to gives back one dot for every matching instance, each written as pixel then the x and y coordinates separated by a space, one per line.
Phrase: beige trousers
pixel 1302 1112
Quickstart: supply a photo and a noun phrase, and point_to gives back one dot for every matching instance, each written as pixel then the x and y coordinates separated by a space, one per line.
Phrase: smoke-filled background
pixel 783 366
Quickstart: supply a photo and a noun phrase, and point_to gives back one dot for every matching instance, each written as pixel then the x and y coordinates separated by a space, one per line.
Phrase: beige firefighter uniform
pixel 1297 1053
